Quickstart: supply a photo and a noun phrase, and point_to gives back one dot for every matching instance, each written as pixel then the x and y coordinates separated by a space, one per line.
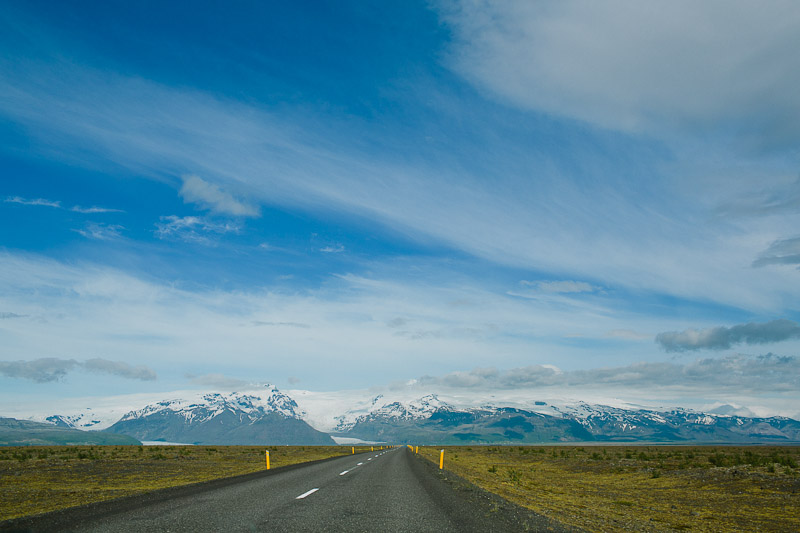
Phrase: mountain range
pixel 28 433
pixel 431 421
pixel 269 416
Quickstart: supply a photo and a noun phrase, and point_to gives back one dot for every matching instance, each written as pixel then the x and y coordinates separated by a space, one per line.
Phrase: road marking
pixel 359 464
pixel 309 493
pixel 369 459
pixel 343 473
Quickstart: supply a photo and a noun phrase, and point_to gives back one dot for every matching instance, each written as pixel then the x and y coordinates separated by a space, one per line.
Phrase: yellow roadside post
pixel 372 448
pixel 354 450
pixel 441 460
pixel 267 459
pixel 417 450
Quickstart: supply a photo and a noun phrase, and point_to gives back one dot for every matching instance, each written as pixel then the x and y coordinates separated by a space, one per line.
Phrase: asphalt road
pixel 388 490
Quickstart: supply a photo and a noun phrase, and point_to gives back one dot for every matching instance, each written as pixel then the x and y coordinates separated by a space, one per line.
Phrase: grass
pixel 653 488
pixel 38 479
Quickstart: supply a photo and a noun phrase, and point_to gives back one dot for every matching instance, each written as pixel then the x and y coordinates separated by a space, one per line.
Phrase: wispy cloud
pixel 193 229
pixel 534 289
pixel 94 209
pixel 49 369
pixel 723 338
pixel 285 324
pixel 35 201
pixel 293 161
pixel 102 232
pixel 332 249
pixel 628 334
pixel 196 190
pixel 57 204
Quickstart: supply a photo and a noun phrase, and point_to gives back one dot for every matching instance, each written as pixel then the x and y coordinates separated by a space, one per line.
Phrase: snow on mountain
pixel 104 412
pixel 420 408
pixel 339 412
pixel 203 406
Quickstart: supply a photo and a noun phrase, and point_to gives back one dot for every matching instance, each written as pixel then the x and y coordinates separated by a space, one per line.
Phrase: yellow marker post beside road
pixel 354 450
pixel 417 450
pixel 267 459
pixel 441 460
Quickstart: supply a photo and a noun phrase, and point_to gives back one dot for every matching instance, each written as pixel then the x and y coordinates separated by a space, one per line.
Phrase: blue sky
pixel 355 194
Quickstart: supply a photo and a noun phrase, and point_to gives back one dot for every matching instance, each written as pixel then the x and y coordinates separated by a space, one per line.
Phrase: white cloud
pixel 199 191
pixel 36 201
pixel 676 65
pixel 294 332
pixel 558 287
pixel 616 235
pixel 102 232
pixel 94 209
pixel 57 204
pixel 193 229
pixel 332 249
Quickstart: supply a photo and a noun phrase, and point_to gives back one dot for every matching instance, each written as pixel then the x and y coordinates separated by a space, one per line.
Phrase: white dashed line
pixel 359 464
pixel 343 473
pixel 309 493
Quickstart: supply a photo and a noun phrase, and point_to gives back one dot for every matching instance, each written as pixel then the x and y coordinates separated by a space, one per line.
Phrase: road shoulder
pixel 502 514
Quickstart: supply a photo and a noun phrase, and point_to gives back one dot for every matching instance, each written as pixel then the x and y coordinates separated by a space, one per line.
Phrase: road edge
pixel 488 503
pixel 69 518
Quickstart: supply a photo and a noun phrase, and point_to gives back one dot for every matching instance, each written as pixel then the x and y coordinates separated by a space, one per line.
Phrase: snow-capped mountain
pixel 261 417
pixel 418 409
pixel 252 405
pixel 266 415
pixel 429 420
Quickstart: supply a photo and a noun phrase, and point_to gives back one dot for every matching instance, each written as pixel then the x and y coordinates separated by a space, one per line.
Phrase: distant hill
pixel 269 417
pixel 15 432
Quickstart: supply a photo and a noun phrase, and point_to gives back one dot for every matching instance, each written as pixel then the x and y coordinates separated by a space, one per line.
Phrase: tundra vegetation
pixel 641 488
pixel 38 479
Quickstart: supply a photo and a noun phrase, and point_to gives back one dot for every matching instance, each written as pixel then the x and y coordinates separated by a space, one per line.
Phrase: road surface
pixel 389 490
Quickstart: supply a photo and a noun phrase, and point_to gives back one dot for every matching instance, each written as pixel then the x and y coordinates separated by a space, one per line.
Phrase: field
pixel 37 479
pixel 642 488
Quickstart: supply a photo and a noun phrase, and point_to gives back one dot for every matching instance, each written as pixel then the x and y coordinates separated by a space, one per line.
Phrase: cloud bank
pixel 639 65
pixel 49 369
pixel 722 338
pixel 762 373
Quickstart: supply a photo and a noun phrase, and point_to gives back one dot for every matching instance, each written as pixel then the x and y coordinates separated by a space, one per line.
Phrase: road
pixel 389 490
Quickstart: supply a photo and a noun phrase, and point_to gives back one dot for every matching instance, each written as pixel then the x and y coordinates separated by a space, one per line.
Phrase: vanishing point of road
pixel 389 490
